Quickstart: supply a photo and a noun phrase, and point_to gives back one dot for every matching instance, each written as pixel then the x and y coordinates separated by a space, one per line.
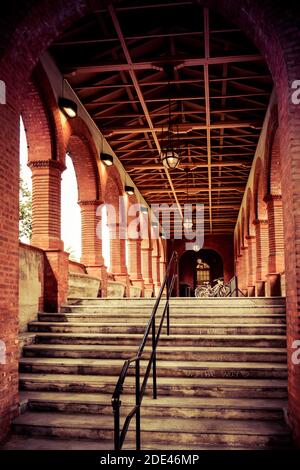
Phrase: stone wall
pixel 31 284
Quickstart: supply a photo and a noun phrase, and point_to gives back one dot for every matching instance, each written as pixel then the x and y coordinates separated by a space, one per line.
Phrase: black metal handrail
pixel 234 288
pixel 171 277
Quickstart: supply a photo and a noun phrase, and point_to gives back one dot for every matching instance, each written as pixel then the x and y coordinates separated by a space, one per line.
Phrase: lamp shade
pixel 196 247
pixel 170 159
pixel 129 190
pixel 68 107
pixel 107 159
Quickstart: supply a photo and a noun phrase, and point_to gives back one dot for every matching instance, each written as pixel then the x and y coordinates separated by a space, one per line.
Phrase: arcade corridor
pixel 181 119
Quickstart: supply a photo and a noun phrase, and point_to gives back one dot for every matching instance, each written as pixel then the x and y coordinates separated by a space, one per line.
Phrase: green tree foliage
pixel 25 211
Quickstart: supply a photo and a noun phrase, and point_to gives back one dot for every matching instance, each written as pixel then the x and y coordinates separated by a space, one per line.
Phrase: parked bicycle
pixel 218 289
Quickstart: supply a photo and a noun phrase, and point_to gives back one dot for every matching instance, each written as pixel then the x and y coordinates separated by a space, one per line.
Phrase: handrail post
pixel 116 403
pixel 138 404
pixel 168 309
pixel 154 360
pixel 177 276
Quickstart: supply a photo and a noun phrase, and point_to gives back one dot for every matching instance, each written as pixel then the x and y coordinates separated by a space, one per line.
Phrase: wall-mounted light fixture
pixel 129 190
pixel 144 210
pixel 196 247
pixel 68 107
pixel 107 159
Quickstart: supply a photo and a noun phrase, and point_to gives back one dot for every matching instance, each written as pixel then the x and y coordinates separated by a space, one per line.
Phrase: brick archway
pixel 269 30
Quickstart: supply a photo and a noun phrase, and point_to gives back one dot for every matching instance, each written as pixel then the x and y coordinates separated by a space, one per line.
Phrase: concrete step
pixel 184 328
pixel 192 353
pixel 181 317
pixel 259 341
pixel 195 369
pixel 193 432
pixel 190 407
pixel 170 386
pixel 182 301
pixel 19 442
pixel 174 309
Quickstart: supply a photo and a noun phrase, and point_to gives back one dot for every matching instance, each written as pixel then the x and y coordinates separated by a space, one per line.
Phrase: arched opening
pixel 25 208
pixel 198 267
pixel 256 22
pixel 70 212
pixel 105 237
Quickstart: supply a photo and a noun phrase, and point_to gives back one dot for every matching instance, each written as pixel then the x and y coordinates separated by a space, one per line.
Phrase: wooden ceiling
pixel 117 59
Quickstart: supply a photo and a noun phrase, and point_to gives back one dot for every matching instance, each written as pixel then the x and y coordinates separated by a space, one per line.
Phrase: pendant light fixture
pixel 107 159
pixel 67 106
pixel 170 147
pixel 188 221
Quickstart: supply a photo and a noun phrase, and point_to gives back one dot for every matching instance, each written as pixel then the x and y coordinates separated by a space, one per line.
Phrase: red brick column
pixel 118 255
pixel 91 243
pixel 147 270
pixel 156 272
pixel 135 263
pixel 9 262
pixel 276 244
pixel 262 255
pixel 251 265
pixel 46 204
pixel 162 268
pixel 238 269
pixel 46 229
pixel 244 270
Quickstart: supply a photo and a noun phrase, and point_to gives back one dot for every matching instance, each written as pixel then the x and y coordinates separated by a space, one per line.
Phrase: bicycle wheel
pixel 200 291
pixel 224 291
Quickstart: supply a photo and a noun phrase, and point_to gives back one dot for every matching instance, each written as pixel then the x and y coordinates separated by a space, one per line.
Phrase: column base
pixel 125 279
pixel 148 290
pixel 260 289
pixel 101 272
pixel 157 287
pixel 137 288
pixel 56 280
pixel 251 291
pixel 273 285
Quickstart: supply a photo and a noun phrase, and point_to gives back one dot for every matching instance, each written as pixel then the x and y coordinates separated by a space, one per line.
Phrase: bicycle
pixel 219 289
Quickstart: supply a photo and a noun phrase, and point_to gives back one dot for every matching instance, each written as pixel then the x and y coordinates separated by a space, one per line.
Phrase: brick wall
pixel 26 29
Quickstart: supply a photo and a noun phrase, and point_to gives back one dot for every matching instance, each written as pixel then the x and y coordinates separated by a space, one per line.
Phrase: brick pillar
pixel 162 268
pixel 9 263
pixel 251 265
pixel 135 263
pixel 156 273
pixel 147 271
pixel 46 204
pixel 118 255
pixel 276 244
pixel 262 255
pixel 91 243
pixel 238 269
pixel 46 229
pixel 244 269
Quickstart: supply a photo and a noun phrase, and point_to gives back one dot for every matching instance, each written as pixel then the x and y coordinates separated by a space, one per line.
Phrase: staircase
pixel 222 375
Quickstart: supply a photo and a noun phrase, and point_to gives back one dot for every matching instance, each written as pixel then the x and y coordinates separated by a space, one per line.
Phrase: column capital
pixel 47 164
pixel 250 237
pixel 272 197
pixel 260 222
pixel 91 203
